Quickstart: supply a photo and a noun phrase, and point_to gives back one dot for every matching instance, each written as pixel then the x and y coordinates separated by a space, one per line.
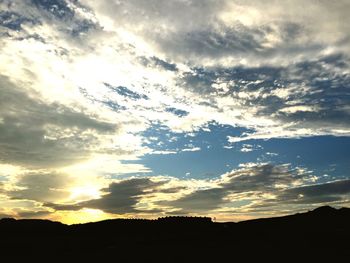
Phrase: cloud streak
pixel 82 82
pixel 239 192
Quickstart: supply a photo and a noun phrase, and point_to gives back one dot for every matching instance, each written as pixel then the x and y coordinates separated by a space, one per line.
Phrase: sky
pixel 147 108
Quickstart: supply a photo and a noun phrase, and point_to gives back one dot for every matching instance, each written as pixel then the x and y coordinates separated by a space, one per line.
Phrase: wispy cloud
pixel 239 191
pixel 82 82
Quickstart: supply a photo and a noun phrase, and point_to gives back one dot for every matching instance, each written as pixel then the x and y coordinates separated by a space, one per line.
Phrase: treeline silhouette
pixel 323 233
pixel 185 219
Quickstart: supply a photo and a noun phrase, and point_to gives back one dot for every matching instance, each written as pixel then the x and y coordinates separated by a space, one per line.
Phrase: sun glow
pixel 84 215
pixel 81 193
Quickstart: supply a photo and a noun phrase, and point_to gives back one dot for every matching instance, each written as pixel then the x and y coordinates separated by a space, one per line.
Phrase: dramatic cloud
pixel 91 91
pixel 36 134
pixel 268 186
pixel 320 193
pixel 213 32
pixel 42 187
pixel 254 186
pixel 253 181
pixel 125 197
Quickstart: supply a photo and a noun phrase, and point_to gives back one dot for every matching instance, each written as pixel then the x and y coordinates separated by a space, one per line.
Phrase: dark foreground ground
pixel 322 234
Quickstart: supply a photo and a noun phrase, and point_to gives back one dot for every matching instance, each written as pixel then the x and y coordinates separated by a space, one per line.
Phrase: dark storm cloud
pixel 120 197
pixel 123 196
pixel 25 130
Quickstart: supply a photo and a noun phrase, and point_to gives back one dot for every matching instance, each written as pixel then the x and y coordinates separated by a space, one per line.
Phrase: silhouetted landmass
pixel 323 233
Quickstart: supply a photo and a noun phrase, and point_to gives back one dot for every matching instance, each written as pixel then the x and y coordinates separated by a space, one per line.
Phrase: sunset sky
pixel 145 108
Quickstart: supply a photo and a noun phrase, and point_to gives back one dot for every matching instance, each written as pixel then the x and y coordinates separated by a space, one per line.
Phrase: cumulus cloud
pixel 208 32
pixel 125 197
pixel 318 193
pixel 82 80
pixel 261 185
pixel 252 188
pixel 36 134
pixel 193 149
pixel 41 187
pixel 266 96
pixel 122 197
pixel 276 96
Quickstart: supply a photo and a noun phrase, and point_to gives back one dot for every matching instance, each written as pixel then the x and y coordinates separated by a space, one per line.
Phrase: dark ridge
pixel 185 219
pixel 321 234
pixel 325 210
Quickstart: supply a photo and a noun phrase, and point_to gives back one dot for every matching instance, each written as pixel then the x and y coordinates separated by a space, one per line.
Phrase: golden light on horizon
pixel 132 109
pixel 84 215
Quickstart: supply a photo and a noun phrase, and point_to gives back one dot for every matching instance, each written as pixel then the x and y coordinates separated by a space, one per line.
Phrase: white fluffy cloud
pixel 81 80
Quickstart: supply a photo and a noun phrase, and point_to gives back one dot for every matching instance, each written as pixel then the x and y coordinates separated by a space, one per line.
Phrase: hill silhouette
pixel 319 234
